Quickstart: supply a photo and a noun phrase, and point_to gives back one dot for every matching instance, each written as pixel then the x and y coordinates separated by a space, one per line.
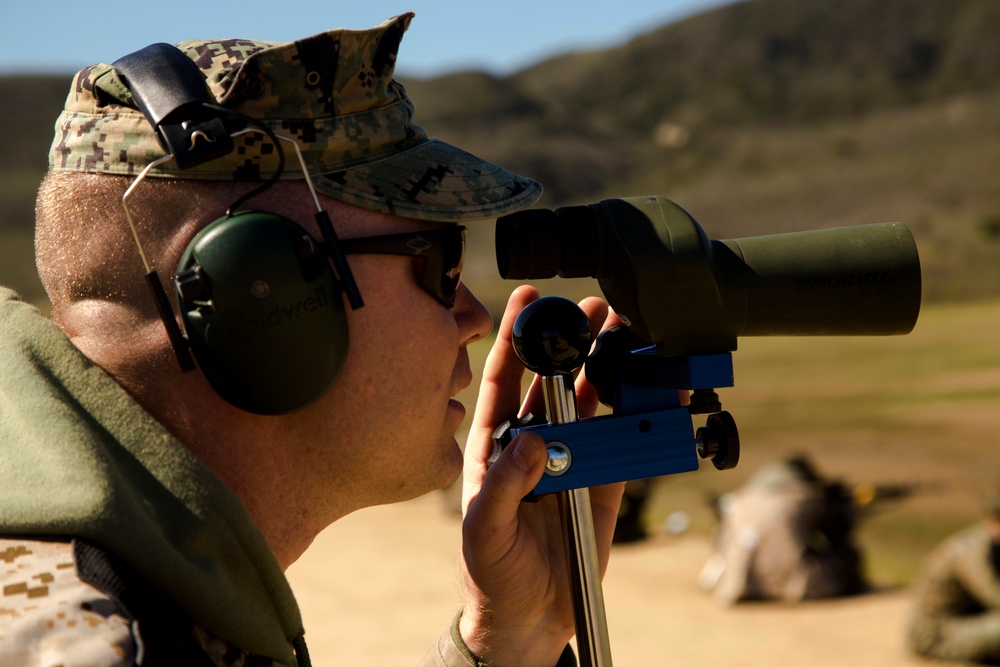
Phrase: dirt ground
pixel 379 587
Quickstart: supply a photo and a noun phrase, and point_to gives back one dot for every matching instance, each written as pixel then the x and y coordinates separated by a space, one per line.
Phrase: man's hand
pixel 519 609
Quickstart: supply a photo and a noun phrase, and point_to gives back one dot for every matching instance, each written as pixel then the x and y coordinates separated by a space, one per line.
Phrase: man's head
pixel 376 172
pixel 331 97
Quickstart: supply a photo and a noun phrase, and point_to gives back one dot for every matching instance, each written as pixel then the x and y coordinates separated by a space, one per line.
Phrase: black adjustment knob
pixel 552 335
pixel 720 440
pixel 193 285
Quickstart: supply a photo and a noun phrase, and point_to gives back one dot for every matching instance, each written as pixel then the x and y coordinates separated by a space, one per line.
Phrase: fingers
pixel 511 477
pixel 601 318
pixel 499 393
pixel 604 503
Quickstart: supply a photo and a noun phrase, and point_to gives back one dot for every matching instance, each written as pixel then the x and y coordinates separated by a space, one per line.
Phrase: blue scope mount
pixel 650 432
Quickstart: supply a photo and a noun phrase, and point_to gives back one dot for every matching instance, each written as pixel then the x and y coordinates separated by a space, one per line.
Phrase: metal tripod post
pixel 578 531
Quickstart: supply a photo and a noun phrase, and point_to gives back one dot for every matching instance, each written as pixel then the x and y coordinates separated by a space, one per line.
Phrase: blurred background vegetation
pixel 759 117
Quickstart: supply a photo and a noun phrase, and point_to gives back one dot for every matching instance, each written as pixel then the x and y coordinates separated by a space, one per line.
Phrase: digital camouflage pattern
pixel 332 93
pixel 49 616
pixel 956 609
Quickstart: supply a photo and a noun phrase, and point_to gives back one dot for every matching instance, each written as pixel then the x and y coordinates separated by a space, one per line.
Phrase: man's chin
pixel 451 469
pixel 447 471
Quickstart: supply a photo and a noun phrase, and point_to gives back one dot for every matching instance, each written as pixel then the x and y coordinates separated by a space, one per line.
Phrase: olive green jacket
pixel 80 459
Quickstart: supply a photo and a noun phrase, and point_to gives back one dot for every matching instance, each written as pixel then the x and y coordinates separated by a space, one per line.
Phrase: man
pixel 146 514
pixel 956 605
pixel 787 534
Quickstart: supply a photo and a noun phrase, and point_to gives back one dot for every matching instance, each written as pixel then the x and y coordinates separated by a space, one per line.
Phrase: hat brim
pixel 432 181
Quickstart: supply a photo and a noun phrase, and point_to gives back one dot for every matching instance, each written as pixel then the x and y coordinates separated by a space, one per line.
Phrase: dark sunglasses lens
pixel 438 257
pixel 441 269
pixel 451 266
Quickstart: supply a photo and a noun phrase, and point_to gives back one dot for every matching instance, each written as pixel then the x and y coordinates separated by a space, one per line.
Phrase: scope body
pixel 687 294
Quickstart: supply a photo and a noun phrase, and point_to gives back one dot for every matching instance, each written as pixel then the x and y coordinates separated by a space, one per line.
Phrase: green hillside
pixel 758 117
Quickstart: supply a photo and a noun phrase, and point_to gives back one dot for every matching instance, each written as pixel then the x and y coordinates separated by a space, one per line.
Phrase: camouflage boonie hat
pixel 334 94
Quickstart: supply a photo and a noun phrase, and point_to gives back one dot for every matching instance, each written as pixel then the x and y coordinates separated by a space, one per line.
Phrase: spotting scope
pixel 688 294
pixel 685 299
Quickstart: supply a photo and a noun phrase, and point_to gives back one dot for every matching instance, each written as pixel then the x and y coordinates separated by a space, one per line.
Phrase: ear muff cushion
pixel 265 320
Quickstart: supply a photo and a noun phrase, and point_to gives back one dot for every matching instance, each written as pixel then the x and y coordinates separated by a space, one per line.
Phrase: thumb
pixel 515 473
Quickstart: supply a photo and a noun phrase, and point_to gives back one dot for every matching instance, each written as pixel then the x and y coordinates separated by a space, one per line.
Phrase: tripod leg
pixel 581 541
pixel 588 597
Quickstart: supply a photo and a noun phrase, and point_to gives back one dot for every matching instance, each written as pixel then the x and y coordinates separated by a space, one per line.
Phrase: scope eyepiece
pixel 542 243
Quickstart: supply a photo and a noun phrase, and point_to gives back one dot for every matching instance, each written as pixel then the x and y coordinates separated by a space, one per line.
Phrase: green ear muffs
pixel 262 311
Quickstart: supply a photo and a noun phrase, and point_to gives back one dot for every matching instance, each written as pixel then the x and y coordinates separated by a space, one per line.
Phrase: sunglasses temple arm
pixel 340 264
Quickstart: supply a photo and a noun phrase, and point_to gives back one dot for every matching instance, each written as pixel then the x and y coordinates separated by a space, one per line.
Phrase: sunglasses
pixel 440 254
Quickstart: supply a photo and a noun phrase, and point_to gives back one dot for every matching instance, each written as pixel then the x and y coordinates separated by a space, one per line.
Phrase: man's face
pixel 386 430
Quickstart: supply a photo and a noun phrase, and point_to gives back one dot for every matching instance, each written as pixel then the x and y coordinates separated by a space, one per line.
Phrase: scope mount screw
pixel 560 459
pixel 704 401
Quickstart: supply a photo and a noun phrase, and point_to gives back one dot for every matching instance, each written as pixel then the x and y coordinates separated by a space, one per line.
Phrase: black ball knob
pixel 552 335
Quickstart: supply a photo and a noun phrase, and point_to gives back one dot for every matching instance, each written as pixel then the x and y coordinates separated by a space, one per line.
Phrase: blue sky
pixel 64 35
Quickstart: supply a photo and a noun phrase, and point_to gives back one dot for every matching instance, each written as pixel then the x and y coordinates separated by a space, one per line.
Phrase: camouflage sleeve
pixel 444 653
pixel 976 568
pixel 46 610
